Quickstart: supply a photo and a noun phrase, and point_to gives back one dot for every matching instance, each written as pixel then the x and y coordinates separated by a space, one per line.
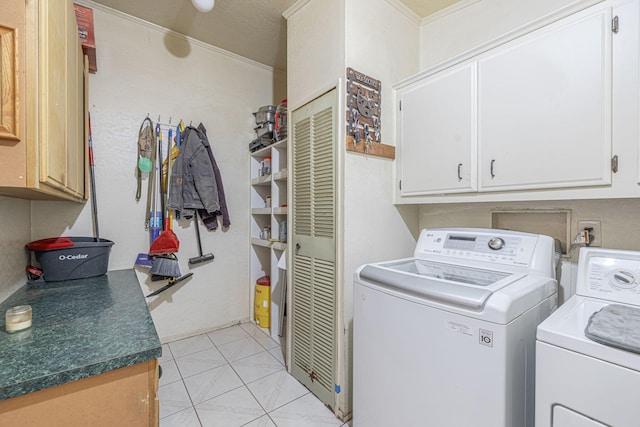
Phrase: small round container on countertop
pixel 18 318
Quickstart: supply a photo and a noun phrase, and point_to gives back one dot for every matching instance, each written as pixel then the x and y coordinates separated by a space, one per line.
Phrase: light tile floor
pixel 234 377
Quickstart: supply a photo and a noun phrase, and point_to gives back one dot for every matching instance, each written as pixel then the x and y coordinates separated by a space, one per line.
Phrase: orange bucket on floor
pixel 262 304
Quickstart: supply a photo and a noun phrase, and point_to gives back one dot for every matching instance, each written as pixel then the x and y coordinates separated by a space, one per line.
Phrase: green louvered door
pixel 314 246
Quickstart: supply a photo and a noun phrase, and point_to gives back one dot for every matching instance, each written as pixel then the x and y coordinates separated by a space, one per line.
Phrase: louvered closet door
pixel 314 259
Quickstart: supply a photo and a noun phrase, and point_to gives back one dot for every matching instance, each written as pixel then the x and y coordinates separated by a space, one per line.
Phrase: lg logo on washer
pixel 486 337
pixel 70 257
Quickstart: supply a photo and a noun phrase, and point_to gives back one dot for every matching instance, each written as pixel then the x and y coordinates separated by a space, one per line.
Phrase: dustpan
pixel 167 242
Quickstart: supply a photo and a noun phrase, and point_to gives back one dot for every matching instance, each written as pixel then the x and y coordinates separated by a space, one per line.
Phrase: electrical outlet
pixel 595 231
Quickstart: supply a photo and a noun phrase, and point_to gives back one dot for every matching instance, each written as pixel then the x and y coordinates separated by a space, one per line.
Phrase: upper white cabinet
pixel 538 116
pixel 438 128
pixel 545 107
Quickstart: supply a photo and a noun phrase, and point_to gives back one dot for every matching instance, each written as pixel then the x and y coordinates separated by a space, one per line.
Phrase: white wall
pixel 450 34
pixel 374 229
pixel 381 42
pixel 14 234
pixel 315 49
pixel 138 75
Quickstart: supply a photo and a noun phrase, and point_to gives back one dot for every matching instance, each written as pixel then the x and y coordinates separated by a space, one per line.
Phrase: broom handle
pixel 160 186
pixel 195 217
pixel 92 173
pixel 169 216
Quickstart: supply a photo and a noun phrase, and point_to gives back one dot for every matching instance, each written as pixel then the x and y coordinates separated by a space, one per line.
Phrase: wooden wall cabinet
pixel 43 101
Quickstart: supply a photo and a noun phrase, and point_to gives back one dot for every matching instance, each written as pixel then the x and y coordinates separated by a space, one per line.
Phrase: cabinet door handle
pixel 493 175
pixel 298 246
pixel 459 175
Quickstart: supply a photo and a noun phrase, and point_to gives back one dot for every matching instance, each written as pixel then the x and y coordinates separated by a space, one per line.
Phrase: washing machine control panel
pixel 610 278
pixel 492 246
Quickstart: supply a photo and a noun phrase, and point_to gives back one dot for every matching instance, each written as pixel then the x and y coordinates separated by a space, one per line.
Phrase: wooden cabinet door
pixel 545 107
pixel 438 133
pixel 61 99
pixel 11 25
pixel 77 108
pixel 12 94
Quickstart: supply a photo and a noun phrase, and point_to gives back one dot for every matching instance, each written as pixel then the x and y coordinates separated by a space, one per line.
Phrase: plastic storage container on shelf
pixel 283 231
pixel 262 305
pixel 281 121
pixel 265 166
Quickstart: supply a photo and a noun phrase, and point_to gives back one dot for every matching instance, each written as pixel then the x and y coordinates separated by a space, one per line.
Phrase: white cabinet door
pixel 438 131
pixel 545 107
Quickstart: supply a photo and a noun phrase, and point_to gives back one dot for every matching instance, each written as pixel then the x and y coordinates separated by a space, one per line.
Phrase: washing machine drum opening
pixel 448 272
pixel 446 283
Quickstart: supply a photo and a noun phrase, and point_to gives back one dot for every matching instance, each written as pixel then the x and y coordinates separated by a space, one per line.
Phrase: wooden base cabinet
pixel 43 100
pixel 123 397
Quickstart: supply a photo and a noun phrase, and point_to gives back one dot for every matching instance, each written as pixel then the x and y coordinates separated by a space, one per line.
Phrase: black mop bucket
pixel 67 258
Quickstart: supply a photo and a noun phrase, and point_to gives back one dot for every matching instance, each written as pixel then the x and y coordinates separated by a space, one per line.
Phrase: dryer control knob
pixel 496 243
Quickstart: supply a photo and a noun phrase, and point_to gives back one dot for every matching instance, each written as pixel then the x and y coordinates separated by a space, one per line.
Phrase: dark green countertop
pixel 80 328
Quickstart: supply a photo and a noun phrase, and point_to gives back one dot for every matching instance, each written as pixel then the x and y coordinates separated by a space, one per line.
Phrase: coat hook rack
pixel 164 125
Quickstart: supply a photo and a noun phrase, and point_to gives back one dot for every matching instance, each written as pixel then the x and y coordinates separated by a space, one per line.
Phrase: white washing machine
pixel 447 338
pixel 579 382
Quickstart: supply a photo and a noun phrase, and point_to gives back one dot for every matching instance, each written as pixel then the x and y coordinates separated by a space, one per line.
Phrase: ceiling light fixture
pixel 203 6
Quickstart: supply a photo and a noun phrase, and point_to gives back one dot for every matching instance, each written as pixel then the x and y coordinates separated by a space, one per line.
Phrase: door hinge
pixel 400 184
pixel 614 164
pixel 400 105
pixel 615 25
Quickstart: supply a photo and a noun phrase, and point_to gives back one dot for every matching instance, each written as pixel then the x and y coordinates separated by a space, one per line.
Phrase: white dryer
pixel 447 338
pixel 579 382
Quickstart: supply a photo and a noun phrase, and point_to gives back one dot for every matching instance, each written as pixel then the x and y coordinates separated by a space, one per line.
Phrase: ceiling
pixel 254 29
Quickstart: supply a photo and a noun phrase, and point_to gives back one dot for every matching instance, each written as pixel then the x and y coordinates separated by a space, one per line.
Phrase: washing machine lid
pixel 457 285
pixel 565 329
